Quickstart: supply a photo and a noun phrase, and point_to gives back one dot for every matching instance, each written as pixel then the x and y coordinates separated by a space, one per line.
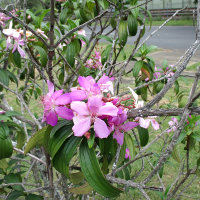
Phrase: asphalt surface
pixel 169 37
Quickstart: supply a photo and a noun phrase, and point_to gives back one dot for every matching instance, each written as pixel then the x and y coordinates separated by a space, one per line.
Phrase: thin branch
pixel 30 155
pixel 79 27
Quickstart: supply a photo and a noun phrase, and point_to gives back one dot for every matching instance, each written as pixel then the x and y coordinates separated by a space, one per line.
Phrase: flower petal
pixel 51 118
pixel 78 95
pixel 85 82
pixel 128 126
pixel 63 99
pixel 144 122
pixel 155 124
pixel 81 125
pixel 21 51
pixel 94 104
pixel 64 112
pixel 108 109
pixel 101 128
pixel 50 87
pixel 119 137
pixel 56 94
pixel 80 107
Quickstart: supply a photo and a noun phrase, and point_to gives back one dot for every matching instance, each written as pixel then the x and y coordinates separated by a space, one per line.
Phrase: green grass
pixel 193 67
pixel 178 22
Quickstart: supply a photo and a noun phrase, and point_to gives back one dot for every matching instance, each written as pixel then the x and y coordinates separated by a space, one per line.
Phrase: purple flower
pixel 91 113
pixel 117 124
pixel 54 105
pixel 127 154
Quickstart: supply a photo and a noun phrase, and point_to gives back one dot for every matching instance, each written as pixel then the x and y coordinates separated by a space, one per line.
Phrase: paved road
pixel 169 37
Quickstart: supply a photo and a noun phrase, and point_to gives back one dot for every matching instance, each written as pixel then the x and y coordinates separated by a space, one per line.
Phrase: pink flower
pixel 89 87
pixel 90 113
pixel 54 104
pixel 146 122
pixel 120 128
pixel 173 124
pixel 127 154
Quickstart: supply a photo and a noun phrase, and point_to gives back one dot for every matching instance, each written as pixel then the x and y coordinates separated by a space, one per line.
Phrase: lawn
pixel 173 22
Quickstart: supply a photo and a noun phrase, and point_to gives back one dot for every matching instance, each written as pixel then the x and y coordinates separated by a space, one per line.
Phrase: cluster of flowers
pixel 95 61
pixel 3 19
pixel 159 72
pixel 91 105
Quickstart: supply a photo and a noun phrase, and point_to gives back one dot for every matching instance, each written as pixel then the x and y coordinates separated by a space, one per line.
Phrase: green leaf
pixel 43 55
pixel 12 77
pixel 143 135
pixel 20 133
pixel 105 38
pixel 37 139
pixel 73 48
pixel 4 78
pixel 123 33
pixel 3 164
pixel 137 67
pixel 130 145
pixel 42 15
pixel 94 176
pixel 65 153
pixel 122 154
pixel 91 140
pixel 63 15
pixel 132 24
pixel 33 197
pixel 106 53
pixel 144 93
pixel 15 195
pixel 76 178
pixel 58 139
pixel 59 125
pixel 34 17
pixel 16 58
pixel 83 189
pixel 6 148
pixel 14 178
